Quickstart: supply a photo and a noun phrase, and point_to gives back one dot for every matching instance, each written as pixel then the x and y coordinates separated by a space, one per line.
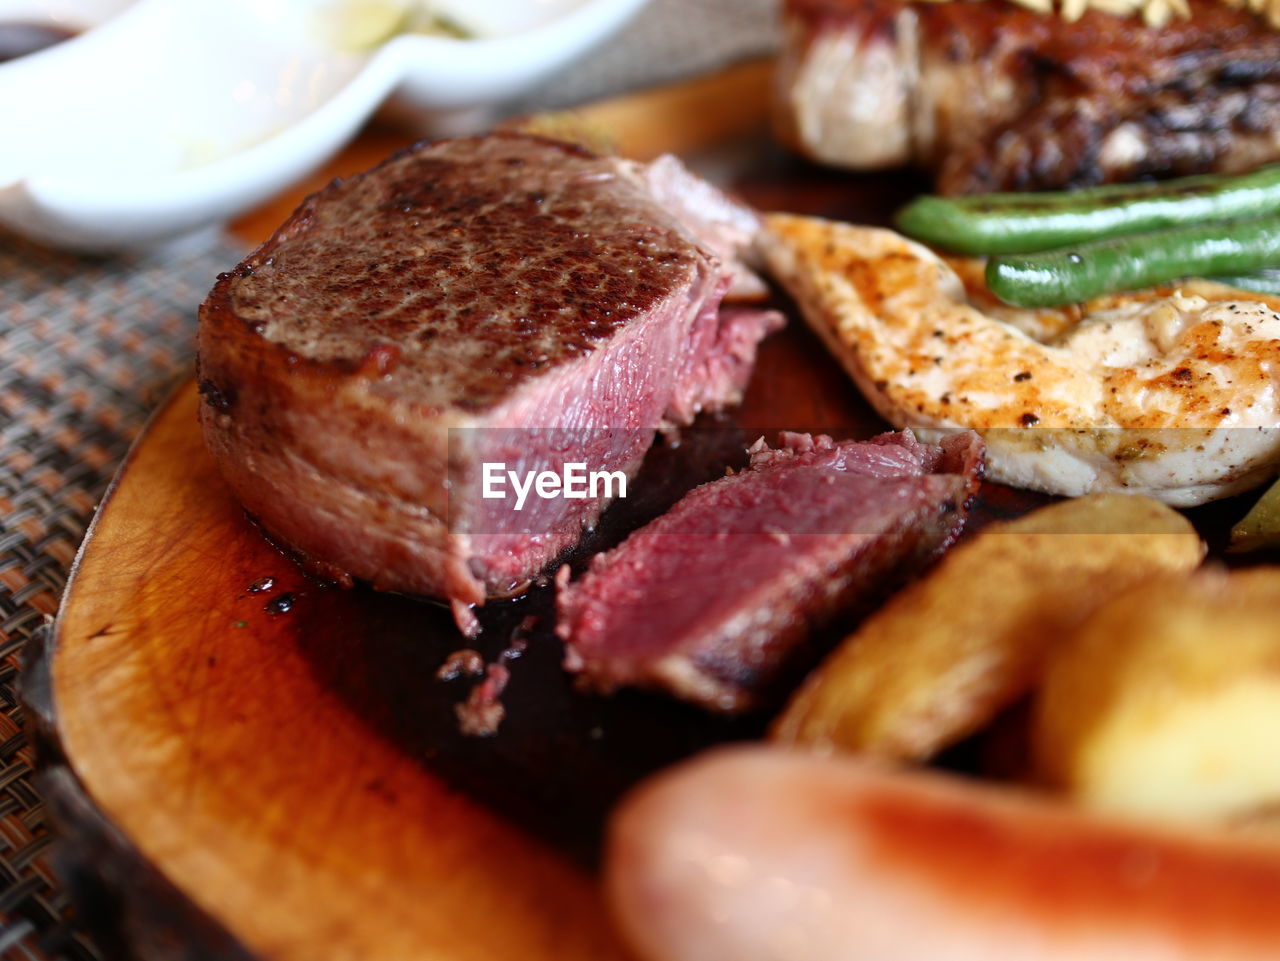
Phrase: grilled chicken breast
pixel 992 96
pixel 1172 392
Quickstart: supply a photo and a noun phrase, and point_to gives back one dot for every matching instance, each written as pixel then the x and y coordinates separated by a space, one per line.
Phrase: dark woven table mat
pixel 87 349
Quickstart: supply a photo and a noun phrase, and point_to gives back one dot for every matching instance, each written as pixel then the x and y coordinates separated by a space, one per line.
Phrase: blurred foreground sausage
pixel 763 854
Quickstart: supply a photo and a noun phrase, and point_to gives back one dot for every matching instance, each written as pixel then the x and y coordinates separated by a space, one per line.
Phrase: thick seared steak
pixel 992 96
pixel 503 299
pixel 714 601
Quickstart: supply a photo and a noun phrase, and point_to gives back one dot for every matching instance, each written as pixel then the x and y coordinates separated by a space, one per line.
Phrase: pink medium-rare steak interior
pixel 713 600
pixel 462 303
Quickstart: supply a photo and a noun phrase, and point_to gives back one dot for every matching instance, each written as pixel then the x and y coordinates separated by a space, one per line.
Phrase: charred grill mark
pixel 216 397
pixel 1100 100
pixel 1064 143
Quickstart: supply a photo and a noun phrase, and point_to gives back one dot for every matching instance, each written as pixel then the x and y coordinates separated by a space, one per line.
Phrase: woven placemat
pixel 89 346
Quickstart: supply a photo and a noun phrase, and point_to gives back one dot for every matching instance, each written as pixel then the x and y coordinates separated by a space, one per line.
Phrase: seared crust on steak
pixel 345 281
pixel 993 96
pixel 454 305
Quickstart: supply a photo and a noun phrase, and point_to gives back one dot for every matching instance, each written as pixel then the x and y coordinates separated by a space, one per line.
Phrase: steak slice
pixel 713 601
pixel 496 299
pixel 992 96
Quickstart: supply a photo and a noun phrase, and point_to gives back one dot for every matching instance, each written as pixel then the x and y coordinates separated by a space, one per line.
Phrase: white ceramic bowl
pixel 164 116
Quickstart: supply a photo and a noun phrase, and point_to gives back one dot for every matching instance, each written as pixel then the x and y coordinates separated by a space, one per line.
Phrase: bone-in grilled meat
pixel 504 299
pixel 991 96
pixel 715 600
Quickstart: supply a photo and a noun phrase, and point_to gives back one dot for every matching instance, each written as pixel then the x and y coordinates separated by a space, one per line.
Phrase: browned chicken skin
pixel 993 96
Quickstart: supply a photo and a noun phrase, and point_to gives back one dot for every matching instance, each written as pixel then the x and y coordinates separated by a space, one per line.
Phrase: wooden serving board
pixel 274 772
pixel 241 781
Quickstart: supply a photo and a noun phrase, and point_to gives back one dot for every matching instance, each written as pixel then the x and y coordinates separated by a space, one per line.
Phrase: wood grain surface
pixel 247 782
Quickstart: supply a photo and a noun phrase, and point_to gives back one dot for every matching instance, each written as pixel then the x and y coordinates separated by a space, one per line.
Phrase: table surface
pixel 89 346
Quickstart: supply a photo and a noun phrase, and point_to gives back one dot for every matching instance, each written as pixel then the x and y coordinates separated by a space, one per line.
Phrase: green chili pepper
pixel 1265 281
pixel 1027 222
pixel 1079 272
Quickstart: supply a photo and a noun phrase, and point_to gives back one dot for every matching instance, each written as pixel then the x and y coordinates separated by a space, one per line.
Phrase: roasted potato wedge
pixel 1166 701
pixel 949 652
